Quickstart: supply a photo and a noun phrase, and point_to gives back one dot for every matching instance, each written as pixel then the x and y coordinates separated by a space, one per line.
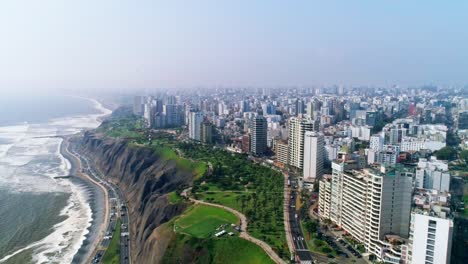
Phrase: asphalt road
pixel 118 208
pixel 302 251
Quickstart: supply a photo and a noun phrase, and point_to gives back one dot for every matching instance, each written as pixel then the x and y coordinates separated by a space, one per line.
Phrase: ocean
pixel 43 219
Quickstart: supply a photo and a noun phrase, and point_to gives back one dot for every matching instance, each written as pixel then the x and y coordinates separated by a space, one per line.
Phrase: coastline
pixel 98 204
pixel 99 201
pixel 71 236
pixel 90 244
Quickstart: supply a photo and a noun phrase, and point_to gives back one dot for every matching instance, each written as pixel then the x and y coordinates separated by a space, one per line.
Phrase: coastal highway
pixel 118 209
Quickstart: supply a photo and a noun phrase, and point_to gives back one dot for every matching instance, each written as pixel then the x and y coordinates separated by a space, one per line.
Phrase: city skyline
pixel 87 45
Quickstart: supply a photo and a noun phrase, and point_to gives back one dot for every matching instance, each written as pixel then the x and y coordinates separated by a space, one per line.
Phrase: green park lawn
pixel 229 199
pixel 112 254
pixel 201 221
pixel 235 250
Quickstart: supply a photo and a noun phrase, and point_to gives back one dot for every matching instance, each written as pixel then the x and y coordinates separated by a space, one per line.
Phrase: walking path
pixel 287 225
pixel 244 234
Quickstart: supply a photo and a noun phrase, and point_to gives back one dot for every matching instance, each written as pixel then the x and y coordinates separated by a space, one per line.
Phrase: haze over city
pixel 233 132
pixel 115 45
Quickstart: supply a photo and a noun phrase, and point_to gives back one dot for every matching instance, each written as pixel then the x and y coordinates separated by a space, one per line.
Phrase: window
pixel 430 242
pixel 430 247
pixel 430 253
pixel 431 236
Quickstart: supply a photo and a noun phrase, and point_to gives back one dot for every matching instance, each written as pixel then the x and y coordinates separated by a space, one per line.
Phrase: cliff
pixel 144 178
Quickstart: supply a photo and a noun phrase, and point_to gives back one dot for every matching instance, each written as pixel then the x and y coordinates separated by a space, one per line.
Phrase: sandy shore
pixel 91 243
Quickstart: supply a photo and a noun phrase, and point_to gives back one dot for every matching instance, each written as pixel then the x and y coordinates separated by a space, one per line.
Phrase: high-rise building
pixel 433 174
pixel 174 115
pixel 313 156
pixel 369 204
pixel 138 105
pixel 207 129
pixel 258 142
pixel 376 142
pixel 297 129
pixel 281 151
pixel 268 109
pixel 244 106
pixel 195 121
pixel 431 229
pixel 299 107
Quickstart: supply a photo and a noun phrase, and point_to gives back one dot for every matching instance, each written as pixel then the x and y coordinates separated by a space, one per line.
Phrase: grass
pixel 174 198
pixel 232 250
pixel 239 251
pixel 112 254
pixel 129 127
pixel 195 243
pixel 230 199
pixel 201 221
pixel 197 168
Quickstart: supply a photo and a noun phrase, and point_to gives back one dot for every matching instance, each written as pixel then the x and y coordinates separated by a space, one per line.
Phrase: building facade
pixel 313 156
pixel 297 129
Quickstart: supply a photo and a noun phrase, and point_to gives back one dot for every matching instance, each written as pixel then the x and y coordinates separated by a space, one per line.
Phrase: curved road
pixel 244 234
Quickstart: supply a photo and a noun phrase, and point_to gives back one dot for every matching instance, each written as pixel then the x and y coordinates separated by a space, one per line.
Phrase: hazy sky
pixel 116 44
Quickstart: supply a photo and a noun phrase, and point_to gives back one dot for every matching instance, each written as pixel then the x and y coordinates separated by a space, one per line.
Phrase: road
pixel 303 254
pixel 118 209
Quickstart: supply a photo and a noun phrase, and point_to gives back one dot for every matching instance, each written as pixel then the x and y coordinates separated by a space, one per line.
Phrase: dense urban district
pixel 302 175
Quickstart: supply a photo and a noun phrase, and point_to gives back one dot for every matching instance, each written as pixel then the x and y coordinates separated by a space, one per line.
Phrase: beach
pixel 100 206
pixel 50 213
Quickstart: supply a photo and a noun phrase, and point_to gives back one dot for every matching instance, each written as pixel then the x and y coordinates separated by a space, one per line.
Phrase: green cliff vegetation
pixel 219 177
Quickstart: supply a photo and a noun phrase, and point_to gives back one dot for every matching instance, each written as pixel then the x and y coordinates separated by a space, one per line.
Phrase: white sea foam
pixel 21 149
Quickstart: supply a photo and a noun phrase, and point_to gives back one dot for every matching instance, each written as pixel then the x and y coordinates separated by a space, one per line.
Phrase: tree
pixel 452 139
pixel 446 153
pixel 464 156
pixel 311 226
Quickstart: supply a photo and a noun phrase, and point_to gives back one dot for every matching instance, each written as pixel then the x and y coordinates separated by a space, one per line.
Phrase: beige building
pixel 297 128
pixel 368 204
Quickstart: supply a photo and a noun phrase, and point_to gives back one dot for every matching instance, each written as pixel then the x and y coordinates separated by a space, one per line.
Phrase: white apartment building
pixel 297 129
pixel 325 196
pixel 368 204
pixel 431 229
pixel 433 174
pixel 331 152
pixel 313 156
pixel 387 155
pixel 195 121
pixel 361 132
pixel 416 144
pixel 376 142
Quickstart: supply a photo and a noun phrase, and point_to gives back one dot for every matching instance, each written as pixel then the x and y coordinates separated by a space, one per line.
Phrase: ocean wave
pixel 30 162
